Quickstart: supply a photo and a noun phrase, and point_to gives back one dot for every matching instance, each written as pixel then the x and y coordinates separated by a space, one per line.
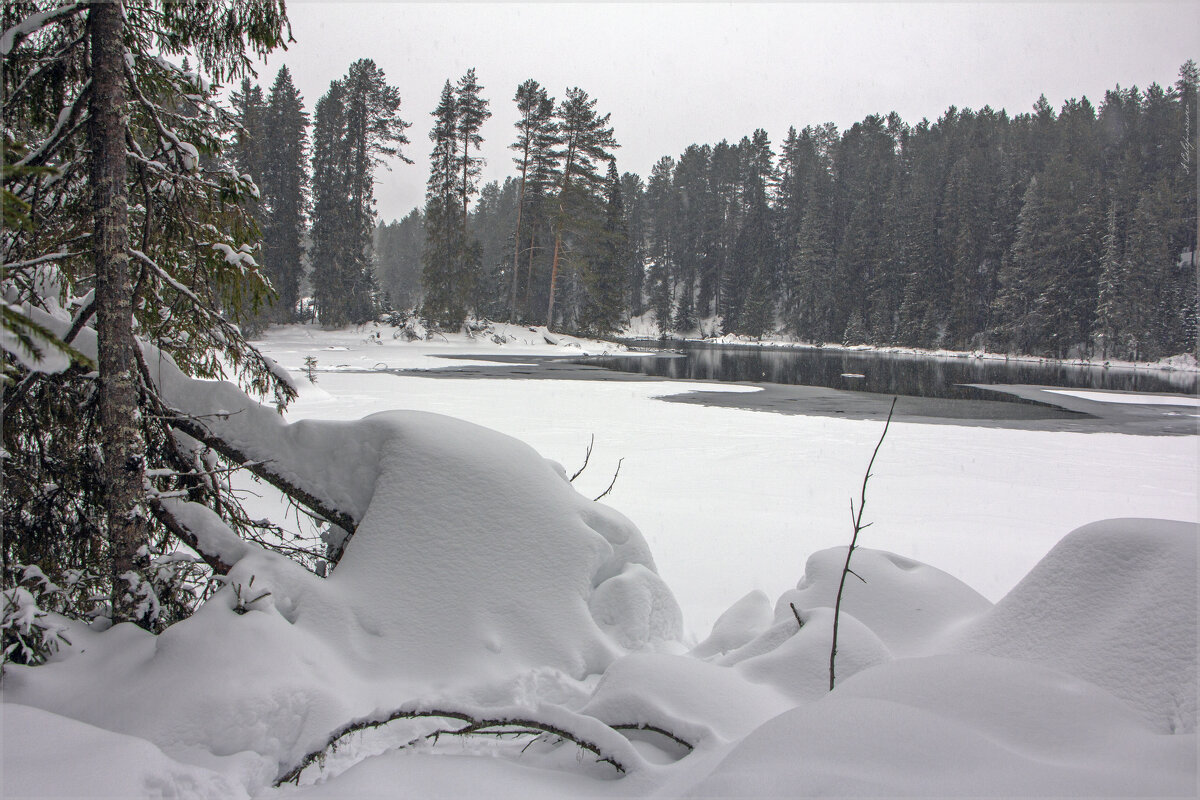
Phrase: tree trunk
pixel 512 302
pixel 553 275
pixel 122 448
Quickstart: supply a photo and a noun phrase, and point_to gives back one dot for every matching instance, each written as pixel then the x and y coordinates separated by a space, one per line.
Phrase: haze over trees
pixel 1051 232
pixel 1048 232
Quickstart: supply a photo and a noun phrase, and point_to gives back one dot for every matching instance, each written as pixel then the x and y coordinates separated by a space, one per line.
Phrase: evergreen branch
pixel 12 38
pixel 67 117
pixel 47 61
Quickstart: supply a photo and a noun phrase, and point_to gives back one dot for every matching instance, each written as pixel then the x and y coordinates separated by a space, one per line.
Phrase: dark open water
pixel 887 373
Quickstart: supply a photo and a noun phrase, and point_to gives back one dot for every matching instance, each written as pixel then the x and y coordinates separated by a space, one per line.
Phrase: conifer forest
pixel 1052 232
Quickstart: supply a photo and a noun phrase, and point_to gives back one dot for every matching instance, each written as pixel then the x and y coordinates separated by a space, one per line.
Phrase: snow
pixel 1115 604
pixel 1138 399
pixel 734 500
pixel 480 580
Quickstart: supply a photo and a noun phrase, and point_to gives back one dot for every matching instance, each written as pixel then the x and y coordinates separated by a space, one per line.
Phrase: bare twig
pixel 586 457
pixel 796 613
pixel 612 483
pixel 858 527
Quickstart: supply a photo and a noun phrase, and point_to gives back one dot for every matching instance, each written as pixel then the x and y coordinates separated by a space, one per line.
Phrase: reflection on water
pixel 888 373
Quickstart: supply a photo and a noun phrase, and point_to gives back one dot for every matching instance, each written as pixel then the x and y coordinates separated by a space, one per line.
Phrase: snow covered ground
pixel 990 651
pixel 733 500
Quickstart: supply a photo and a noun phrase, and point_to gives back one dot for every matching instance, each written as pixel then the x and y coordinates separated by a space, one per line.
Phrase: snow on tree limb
pixel 588 733
pixel 13 37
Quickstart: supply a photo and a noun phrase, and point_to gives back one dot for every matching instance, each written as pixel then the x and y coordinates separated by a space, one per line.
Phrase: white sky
pixel 674 74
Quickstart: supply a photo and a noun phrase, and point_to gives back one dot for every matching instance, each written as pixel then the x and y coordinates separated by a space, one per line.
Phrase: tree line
pixel 1049 232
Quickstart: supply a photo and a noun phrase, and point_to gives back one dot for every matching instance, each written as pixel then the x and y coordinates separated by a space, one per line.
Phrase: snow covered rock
pixel 1114 603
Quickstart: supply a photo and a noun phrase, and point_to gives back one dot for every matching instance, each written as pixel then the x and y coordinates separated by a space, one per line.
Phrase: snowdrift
pixel 1113 603
pixel 474 565
pixel 479 579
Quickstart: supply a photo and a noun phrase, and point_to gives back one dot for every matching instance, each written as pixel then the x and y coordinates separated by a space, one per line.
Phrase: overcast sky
pixel 674 74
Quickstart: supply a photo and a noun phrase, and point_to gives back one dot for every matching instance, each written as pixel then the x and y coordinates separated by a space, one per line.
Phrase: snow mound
pixel 795 660
pixel 907 605
pixel 953 726
pixel 741 622
pixel 474 562
pixel 1113 603
pixel 476 557
pixel 102 763
pixel 697 701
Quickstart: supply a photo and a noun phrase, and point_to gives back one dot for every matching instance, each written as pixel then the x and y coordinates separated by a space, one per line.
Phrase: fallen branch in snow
pixel 195 428
pixel 685 744
pixel 482 726
pixel 185 534
pixel 858 527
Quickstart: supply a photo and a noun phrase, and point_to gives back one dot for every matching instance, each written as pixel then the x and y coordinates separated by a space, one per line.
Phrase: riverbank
pixel 640 329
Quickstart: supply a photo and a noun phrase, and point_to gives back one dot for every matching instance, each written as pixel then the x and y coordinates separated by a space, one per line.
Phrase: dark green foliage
pixel 283 187
pixel 189 242
pixel 357 125
pixel 1055 233
pixel 398 249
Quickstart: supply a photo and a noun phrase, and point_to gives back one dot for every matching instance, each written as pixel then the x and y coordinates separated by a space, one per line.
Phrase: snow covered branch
pixel 602 740
pixel 195 428
pixel 33 23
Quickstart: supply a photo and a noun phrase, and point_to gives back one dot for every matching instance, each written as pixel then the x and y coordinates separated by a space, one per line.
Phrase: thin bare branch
pixel 586 457
pixel 858 527
pixel 611 483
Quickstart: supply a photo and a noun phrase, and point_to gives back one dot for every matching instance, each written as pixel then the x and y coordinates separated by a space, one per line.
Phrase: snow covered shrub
pixel 28 634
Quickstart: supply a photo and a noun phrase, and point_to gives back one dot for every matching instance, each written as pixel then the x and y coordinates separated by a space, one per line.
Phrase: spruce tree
pixel 120 166
pixel 445 275
pixel 283 188
pixel 606 274
pixel 357 127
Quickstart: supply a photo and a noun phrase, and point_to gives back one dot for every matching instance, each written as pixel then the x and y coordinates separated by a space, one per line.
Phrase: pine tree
pixel 283 187
pixel 535 143
pixel 586 140
pixel 471 111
